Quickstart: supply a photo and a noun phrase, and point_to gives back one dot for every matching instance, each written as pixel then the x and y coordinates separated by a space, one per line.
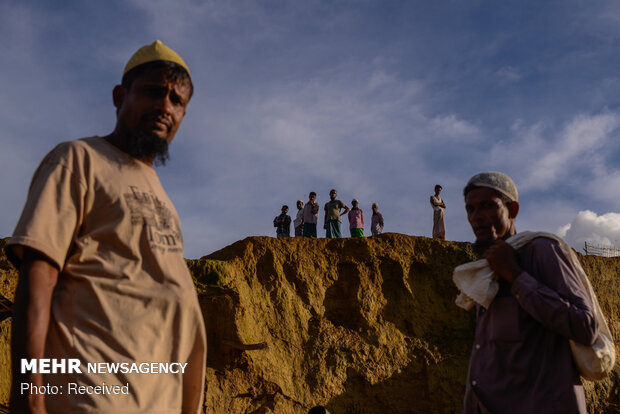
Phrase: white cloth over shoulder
pixel 477 283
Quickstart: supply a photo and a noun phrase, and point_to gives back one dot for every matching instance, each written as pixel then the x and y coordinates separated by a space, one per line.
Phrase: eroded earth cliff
pixel 358 325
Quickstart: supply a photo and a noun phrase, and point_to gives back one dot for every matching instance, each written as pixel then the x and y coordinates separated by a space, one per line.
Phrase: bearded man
pixel 100 253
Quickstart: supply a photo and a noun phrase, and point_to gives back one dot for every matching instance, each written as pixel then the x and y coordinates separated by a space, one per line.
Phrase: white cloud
pixel 562 230
pixel 515 154
pixel 208 13
pixel 587 226
pixel 605 183
pixel 582 135
pixel 541 158
pixel 508 74
pixel 317 122
pixel 450 126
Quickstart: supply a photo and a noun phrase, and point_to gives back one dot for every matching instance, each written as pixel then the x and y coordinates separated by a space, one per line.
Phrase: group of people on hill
pixel 307 217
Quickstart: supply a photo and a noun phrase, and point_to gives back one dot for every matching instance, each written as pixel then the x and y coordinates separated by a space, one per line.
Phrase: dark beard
pixel 482 245
pixel 145 146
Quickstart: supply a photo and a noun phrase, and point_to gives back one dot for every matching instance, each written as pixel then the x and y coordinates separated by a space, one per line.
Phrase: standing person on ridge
pixel 311 215
pixel 521 361
pixel 376 222
pixel 356 220
pixel 100 254
pixel 298 223
pixel 332 215
pixel 283 224
pixel 439 227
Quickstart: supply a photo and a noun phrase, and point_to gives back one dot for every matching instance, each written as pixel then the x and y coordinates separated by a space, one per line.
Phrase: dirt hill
pixel 359 325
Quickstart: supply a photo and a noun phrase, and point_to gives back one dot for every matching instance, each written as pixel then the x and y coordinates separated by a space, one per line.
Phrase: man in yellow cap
pixel 106 317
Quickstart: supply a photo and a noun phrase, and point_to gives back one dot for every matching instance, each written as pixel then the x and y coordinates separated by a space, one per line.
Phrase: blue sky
pixel 378 99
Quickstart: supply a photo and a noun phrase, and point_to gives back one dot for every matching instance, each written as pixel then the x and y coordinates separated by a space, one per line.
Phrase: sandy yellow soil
pixel 359 325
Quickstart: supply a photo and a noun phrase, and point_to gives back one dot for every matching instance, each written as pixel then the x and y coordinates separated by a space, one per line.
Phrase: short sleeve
pixel 53 209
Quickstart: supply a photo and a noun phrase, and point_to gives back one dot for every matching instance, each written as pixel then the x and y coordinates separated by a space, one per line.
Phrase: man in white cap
pixel 521 361
pixel 102 275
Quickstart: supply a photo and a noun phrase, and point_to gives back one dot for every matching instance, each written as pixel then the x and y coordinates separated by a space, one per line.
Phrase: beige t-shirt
pixel 332 209
pixel 124 292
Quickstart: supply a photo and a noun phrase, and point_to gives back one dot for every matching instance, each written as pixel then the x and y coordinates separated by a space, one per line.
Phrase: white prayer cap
pixel 497 181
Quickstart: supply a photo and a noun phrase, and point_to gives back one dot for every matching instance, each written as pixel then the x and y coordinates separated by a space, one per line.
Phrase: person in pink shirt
pixel 356 220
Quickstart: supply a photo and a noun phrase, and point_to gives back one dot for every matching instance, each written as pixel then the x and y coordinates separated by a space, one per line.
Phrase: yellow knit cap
pixel 155 51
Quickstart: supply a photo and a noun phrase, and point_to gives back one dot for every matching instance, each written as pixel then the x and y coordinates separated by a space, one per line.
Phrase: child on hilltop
pixel 283 224
pixel 356 220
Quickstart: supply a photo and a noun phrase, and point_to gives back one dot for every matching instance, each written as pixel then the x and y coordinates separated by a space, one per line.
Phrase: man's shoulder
pixel 86 143
pixel 71 148
pixel 544 249
pixel 541 243
pixel 65 154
